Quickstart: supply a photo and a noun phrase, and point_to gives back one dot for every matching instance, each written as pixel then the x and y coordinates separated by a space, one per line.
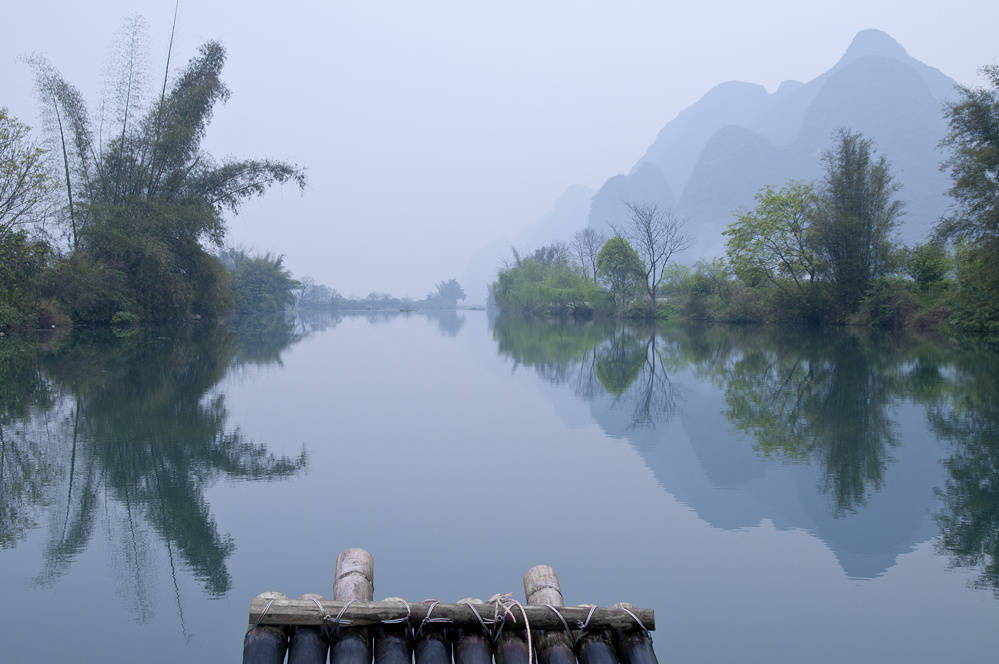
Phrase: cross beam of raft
pixel 360 614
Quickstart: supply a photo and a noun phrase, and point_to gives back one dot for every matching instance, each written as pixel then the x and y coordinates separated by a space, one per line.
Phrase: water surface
pixel 774 495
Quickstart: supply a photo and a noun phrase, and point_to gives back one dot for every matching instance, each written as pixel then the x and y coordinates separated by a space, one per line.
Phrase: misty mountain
pixel 568 215
pixel 716 154
pixel 711 159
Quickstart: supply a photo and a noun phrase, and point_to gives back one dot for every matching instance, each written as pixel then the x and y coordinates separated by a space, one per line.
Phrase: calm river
pixel 775 496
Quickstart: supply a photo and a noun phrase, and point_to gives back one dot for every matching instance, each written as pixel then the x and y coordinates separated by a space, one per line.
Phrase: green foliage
pixel 90 291
pixel 620 269
pixel 890 302
pixel 856 217
pixel 709 292
pixel 977 299
pixel 927 264
pixel 260 284
pixel 24 180
pixel 144 198
pixel 973 162
pixel 22 262
pixel 552 288
pixel 775 241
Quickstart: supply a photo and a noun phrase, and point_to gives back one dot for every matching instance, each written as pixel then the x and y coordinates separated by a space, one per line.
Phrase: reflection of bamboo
pixel 176 593
pixel 72 468
pixel 3 459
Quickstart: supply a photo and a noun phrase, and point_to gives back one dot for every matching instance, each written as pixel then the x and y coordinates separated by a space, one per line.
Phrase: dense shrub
pixel 548 289
pixel 22 262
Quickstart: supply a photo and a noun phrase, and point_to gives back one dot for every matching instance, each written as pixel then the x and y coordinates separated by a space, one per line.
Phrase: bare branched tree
pixel 657 235
pixel 586 245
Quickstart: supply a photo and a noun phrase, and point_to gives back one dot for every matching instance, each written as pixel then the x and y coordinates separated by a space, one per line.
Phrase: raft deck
pixel 353 629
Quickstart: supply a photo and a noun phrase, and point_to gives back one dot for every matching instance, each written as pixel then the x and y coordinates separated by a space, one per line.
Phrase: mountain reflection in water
pixel 875 443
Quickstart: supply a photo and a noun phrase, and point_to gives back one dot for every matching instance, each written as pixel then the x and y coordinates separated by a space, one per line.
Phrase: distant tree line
pixel 310 295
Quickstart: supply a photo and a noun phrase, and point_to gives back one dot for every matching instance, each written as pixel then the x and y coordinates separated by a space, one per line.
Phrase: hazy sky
pixel 430 128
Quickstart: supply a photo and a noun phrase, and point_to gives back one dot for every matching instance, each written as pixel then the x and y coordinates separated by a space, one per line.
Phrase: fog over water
pixel 432 129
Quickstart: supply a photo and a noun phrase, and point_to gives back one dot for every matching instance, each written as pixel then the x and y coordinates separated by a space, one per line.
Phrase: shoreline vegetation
pixel 116 215
pixel 809 252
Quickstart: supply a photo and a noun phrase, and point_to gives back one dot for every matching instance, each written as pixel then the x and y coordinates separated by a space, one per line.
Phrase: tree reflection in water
pixel 135 437
pixel 964 411
pixel 629 363
pixel 820 397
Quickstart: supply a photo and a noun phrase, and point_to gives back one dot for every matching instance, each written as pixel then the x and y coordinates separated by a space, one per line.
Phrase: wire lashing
pixel 427 619
pixel 328 632
pixel 637 620
pixel 507 601
pixel 267 607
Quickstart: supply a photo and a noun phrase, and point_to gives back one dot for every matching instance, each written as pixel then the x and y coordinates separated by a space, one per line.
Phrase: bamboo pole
pixel 541 587
pixel 307 643
pixel 595 646
pixel 633 645
pixel 392 641
pixel 471 644
pixel 298 612
pixel 353 580
pixel 510 646
pixel 265 644
pixel 430 645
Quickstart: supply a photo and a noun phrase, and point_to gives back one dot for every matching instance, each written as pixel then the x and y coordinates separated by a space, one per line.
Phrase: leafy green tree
pixel 973 162
pixel 927 264
pixel 260 284
pixel 620 268
pixel 775 241
pixel 857 215
pixel 541 287
pixel 144 198
pixel 25 183
pixel 22 262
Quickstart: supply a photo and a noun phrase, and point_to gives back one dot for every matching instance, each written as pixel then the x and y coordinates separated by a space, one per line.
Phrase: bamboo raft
pixel 353 629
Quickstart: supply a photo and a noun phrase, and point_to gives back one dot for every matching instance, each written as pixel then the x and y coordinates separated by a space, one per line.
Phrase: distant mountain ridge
pixel 710 160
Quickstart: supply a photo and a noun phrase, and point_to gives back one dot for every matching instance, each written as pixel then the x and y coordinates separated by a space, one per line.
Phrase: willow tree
pixel 143 198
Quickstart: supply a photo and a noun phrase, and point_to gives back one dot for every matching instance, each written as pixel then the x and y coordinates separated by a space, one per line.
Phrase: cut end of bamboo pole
pixel 541 586
pixel 354 576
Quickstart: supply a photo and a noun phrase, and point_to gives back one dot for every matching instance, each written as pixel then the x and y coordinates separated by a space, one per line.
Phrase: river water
pixel 775 496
